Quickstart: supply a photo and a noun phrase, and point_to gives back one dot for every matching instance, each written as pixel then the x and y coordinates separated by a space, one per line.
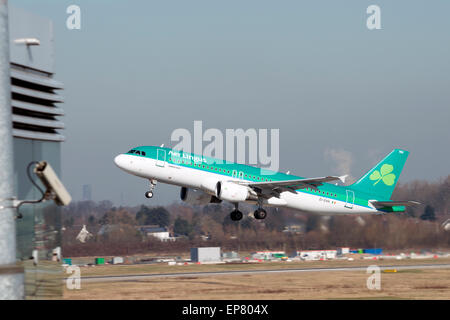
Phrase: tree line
pixel 210 225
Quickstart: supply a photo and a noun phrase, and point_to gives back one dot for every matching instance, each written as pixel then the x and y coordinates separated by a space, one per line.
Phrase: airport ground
pixel 413 279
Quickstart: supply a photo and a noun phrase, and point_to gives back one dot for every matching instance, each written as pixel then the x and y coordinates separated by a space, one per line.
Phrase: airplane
pixel 205 180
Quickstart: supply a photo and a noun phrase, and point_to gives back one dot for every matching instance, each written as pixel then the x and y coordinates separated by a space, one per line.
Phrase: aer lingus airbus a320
pixel 206 180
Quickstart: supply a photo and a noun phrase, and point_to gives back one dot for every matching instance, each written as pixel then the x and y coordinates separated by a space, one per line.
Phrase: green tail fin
pixel 381 179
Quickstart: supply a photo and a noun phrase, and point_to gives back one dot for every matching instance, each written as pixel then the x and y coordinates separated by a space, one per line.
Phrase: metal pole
pixel 11 275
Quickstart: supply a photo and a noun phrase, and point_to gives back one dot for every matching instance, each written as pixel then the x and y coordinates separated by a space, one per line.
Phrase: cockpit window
pixel 137 152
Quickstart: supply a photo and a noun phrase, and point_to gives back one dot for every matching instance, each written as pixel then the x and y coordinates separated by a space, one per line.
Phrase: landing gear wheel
pixel 149 194
pixel 260 214
pixel 236 215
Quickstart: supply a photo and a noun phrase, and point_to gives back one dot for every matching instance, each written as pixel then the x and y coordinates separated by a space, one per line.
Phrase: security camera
pixel 51 181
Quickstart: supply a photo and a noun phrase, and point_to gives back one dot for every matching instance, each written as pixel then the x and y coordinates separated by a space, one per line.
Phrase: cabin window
pixel 143 153
pixel 138 152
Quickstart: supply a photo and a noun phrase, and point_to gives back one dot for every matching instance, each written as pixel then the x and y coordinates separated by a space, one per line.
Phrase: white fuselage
pixel 182 176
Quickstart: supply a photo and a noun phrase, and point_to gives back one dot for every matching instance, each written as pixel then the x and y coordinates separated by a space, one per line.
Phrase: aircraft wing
pixel 291 185
pixel 389 203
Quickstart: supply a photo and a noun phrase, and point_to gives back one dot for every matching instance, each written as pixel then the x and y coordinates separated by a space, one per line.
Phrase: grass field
pixel 404 284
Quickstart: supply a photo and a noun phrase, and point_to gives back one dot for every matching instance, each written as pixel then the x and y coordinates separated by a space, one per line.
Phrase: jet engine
pixel 197 197
pixel 232 192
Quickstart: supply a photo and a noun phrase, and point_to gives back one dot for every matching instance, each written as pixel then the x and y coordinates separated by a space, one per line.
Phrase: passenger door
pixel 161 158
pixel 350 199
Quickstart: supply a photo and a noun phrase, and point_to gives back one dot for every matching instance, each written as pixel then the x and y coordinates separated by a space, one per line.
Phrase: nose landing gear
pixel 149 194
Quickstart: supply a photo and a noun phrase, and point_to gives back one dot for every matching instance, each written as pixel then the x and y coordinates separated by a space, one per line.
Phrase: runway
pixel 137 277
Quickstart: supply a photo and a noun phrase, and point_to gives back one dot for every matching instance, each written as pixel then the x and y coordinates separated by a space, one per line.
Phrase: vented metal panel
pixel 34 104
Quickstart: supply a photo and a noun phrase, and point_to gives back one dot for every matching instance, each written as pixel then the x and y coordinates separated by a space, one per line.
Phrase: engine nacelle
pixel 197 197
pixel 209 186
pixel 232 192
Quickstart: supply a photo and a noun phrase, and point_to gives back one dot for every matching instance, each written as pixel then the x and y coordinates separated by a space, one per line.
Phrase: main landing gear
pixel 260 213
pixel 149 194
pixel 236 215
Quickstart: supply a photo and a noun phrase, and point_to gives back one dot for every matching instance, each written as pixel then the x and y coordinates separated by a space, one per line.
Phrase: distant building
pixel 156 231
pixel 317 254
pixel 205 254
pixel 108 228
pixel 87 192
pixel 268 255
pixel 343 250
pixel 295 228
pixel 232 255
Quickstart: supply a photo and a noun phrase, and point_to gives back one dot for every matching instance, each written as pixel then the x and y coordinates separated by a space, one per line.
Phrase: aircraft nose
pixel 119 161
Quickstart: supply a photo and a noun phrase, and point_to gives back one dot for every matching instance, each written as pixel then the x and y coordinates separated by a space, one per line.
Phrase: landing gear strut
pixel 236 215
pixel 149 194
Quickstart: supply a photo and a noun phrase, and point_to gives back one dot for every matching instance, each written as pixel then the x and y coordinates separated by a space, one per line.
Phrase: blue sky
pixel 137 70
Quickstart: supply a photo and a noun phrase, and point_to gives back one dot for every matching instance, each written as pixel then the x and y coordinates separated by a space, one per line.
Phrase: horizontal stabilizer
pixel 382 204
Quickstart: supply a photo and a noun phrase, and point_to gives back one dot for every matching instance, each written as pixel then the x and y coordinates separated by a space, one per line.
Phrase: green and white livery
pixel 206 180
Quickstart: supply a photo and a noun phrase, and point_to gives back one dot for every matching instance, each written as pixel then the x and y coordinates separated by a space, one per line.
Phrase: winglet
pixel 342 178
